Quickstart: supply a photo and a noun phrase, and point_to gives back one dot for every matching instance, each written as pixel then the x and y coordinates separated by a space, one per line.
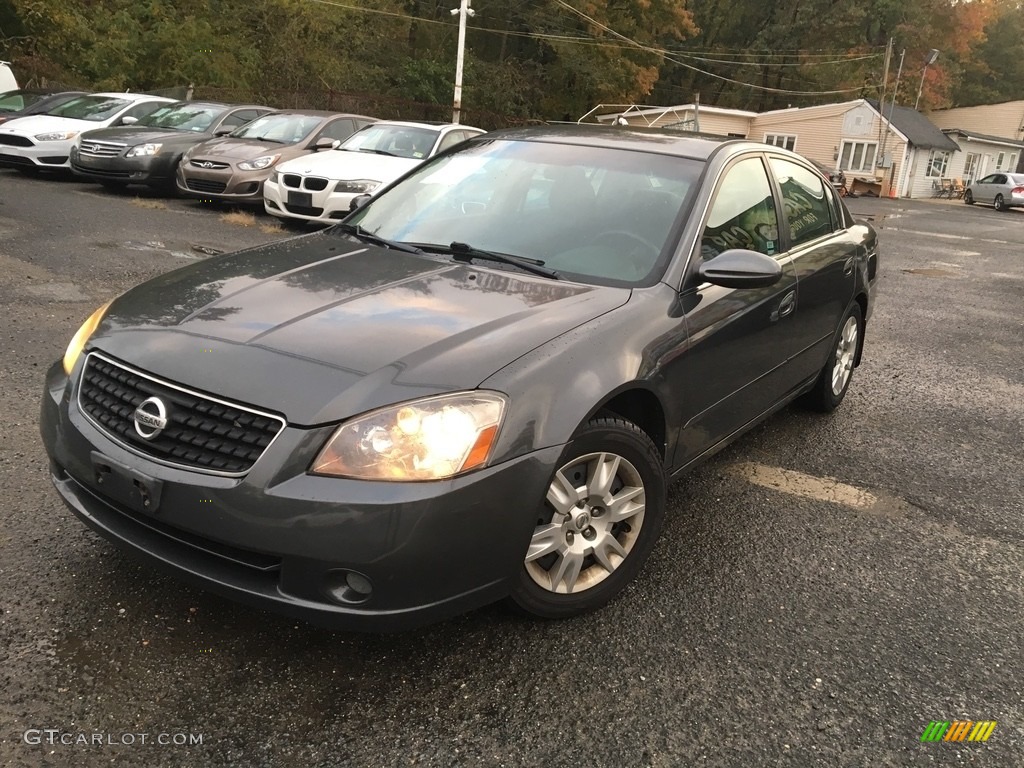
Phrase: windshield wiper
pixel 264 138
pixel 378 152
pixel 466 253
pixel 368 237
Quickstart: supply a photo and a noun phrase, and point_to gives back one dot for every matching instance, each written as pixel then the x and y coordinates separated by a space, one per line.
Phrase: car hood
pixel 33 124
pixel 143 135
pixel 339 165
pixel 229 149
pixel 320 327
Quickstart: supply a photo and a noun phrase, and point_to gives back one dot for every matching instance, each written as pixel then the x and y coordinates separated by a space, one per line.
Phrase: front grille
pixel 15 141
pixel 302 210
pixel 209 165
pixel 202 432
pixel 100 148
pixel 203 185
pixel 311 183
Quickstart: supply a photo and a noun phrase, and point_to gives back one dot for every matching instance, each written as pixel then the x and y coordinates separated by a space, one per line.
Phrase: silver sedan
pixel 1002 189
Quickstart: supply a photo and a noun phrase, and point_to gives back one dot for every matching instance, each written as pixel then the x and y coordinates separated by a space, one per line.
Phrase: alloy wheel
pixel 596 504
pixel 846 349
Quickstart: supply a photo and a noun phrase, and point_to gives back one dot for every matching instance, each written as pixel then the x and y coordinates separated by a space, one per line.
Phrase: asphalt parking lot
pixel 823 589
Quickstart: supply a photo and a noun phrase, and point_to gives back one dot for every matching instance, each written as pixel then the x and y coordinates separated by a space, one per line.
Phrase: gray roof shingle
pixel 918 129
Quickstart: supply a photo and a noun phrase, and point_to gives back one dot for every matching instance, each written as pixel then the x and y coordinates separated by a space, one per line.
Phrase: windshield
pixel 398 140
pixel 592 214
pixel 92 108
pixel 183 117
pixel 279 129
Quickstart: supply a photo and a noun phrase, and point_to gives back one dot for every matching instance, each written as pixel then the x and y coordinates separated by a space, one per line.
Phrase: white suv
pixel 321 187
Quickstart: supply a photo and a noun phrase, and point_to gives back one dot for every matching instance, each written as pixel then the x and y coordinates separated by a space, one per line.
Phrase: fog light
pixel 349 587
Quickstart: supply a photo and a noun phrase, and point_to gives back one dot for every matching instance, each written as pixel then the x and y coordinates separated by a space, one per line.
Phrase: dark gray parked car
pixel 477 386
pixel 148 151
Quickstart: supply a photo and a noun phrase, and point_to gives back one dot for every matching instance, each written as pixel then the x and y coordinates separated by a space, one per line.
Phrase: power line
pixel 664 55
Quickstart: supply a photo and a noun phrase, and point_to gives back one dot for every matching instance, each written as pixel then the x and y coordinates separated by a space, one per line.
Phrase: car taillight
pixel 1017 191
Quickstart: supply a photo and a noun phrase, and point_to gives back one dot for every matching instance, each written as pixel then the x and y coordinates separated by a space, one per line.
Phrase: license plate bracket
pixel 135 490
pixel 300 199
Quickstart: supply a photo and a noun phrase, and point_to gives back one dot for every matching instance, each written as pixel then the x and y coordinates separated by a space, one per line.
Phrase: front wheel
pixel 999 204
pixel 835 376
pixel 968 197
pixel 598 523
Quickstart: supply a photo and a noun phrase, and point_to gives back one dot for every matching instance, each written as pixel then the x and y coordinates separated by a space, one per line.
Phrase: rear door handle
pixel 786 306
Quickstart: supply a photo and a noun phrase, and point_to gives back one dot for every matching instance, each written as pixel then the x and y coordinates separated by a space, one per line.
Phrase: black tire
pixel 999 204
pixel 968 197
pixel 643 464
pixel 823 397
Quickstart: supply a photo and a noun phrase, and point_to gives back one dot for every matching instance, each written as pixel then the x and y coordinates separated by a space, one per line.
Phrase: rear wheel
pixel 835 376
pixel 968 197
pixel 598 523
pixel 999 204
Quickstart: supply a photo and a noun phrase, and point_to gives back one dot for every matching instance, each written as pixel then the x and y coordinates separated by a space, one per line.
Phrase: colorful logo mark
pixel 958 730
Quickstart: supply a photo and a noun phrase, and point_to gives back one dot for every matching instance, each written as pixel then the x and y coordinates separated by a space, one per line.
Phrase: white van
pixel 7 81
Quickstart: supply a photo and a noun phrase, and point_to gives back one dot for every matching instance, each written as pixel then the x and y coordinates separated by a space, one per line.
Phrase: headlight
pixel 78 340
pixel 357 187
pixel 429 439
pixel 56 136
pixel 259 163
pixel 143 150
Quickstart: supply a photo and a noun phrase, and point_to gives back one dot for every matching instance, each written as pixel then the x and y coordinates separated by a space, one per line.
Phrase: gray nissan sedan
pixel 476 387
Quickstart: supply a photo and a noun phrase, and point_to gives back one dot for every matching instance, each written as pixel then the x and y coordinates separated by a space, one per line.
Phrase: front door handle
pixel 786 306
pixel 848 266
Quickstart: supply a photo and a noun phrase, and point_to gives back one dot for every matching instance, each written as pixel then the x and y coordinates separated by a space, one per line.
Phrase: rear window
pixel 1016 178
pixel 14 101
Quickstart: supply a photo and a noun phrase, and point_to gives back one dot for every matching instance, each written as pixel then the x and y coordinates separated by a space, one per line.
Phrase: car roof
pixel 129 96
pixel 320 113
pixel 698 146
pixel 433 126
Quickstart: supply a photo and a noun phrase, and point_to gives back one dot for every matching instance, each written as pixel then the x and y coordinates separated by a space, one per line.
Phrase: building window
pixel 1011 161
pixel 780 140
pixel 999 161
pixel 938 160
pixel 971 166
pixel 858 156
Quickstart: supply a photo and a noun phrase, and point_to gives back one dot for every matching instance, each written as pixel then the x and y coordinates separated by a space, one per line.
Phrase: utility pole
pixel 881 101
pixel 463 12
pixel 892 105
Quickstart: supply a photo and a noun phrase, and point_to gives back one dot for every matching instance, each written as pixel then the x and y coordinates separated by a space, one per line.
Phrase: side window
pixel 990 179
pixel 450 140
pixel 743 214
pixel 240 118
pixel 141 110
pixel 337 129
pixel 803 198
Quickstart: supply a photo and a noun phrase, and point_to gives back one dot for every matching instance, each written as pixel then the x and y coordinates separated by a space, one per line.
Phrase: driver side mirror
pixel 223 132
pixel 358 202
pixel 740 268
pixel 326 143
pixel 129 120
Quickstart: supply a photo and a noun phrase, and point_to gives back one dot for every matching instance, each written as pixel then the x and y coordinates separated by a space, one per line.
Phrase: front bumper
pixel 326 205
pixel 221 183
pixel 44 154
pixel 280 539
pixel 150 169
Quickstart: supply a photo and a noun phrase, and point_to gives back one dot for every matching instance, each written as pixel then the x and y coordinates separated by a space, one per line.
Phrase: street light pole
pixel 463 12
pixel 933 54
